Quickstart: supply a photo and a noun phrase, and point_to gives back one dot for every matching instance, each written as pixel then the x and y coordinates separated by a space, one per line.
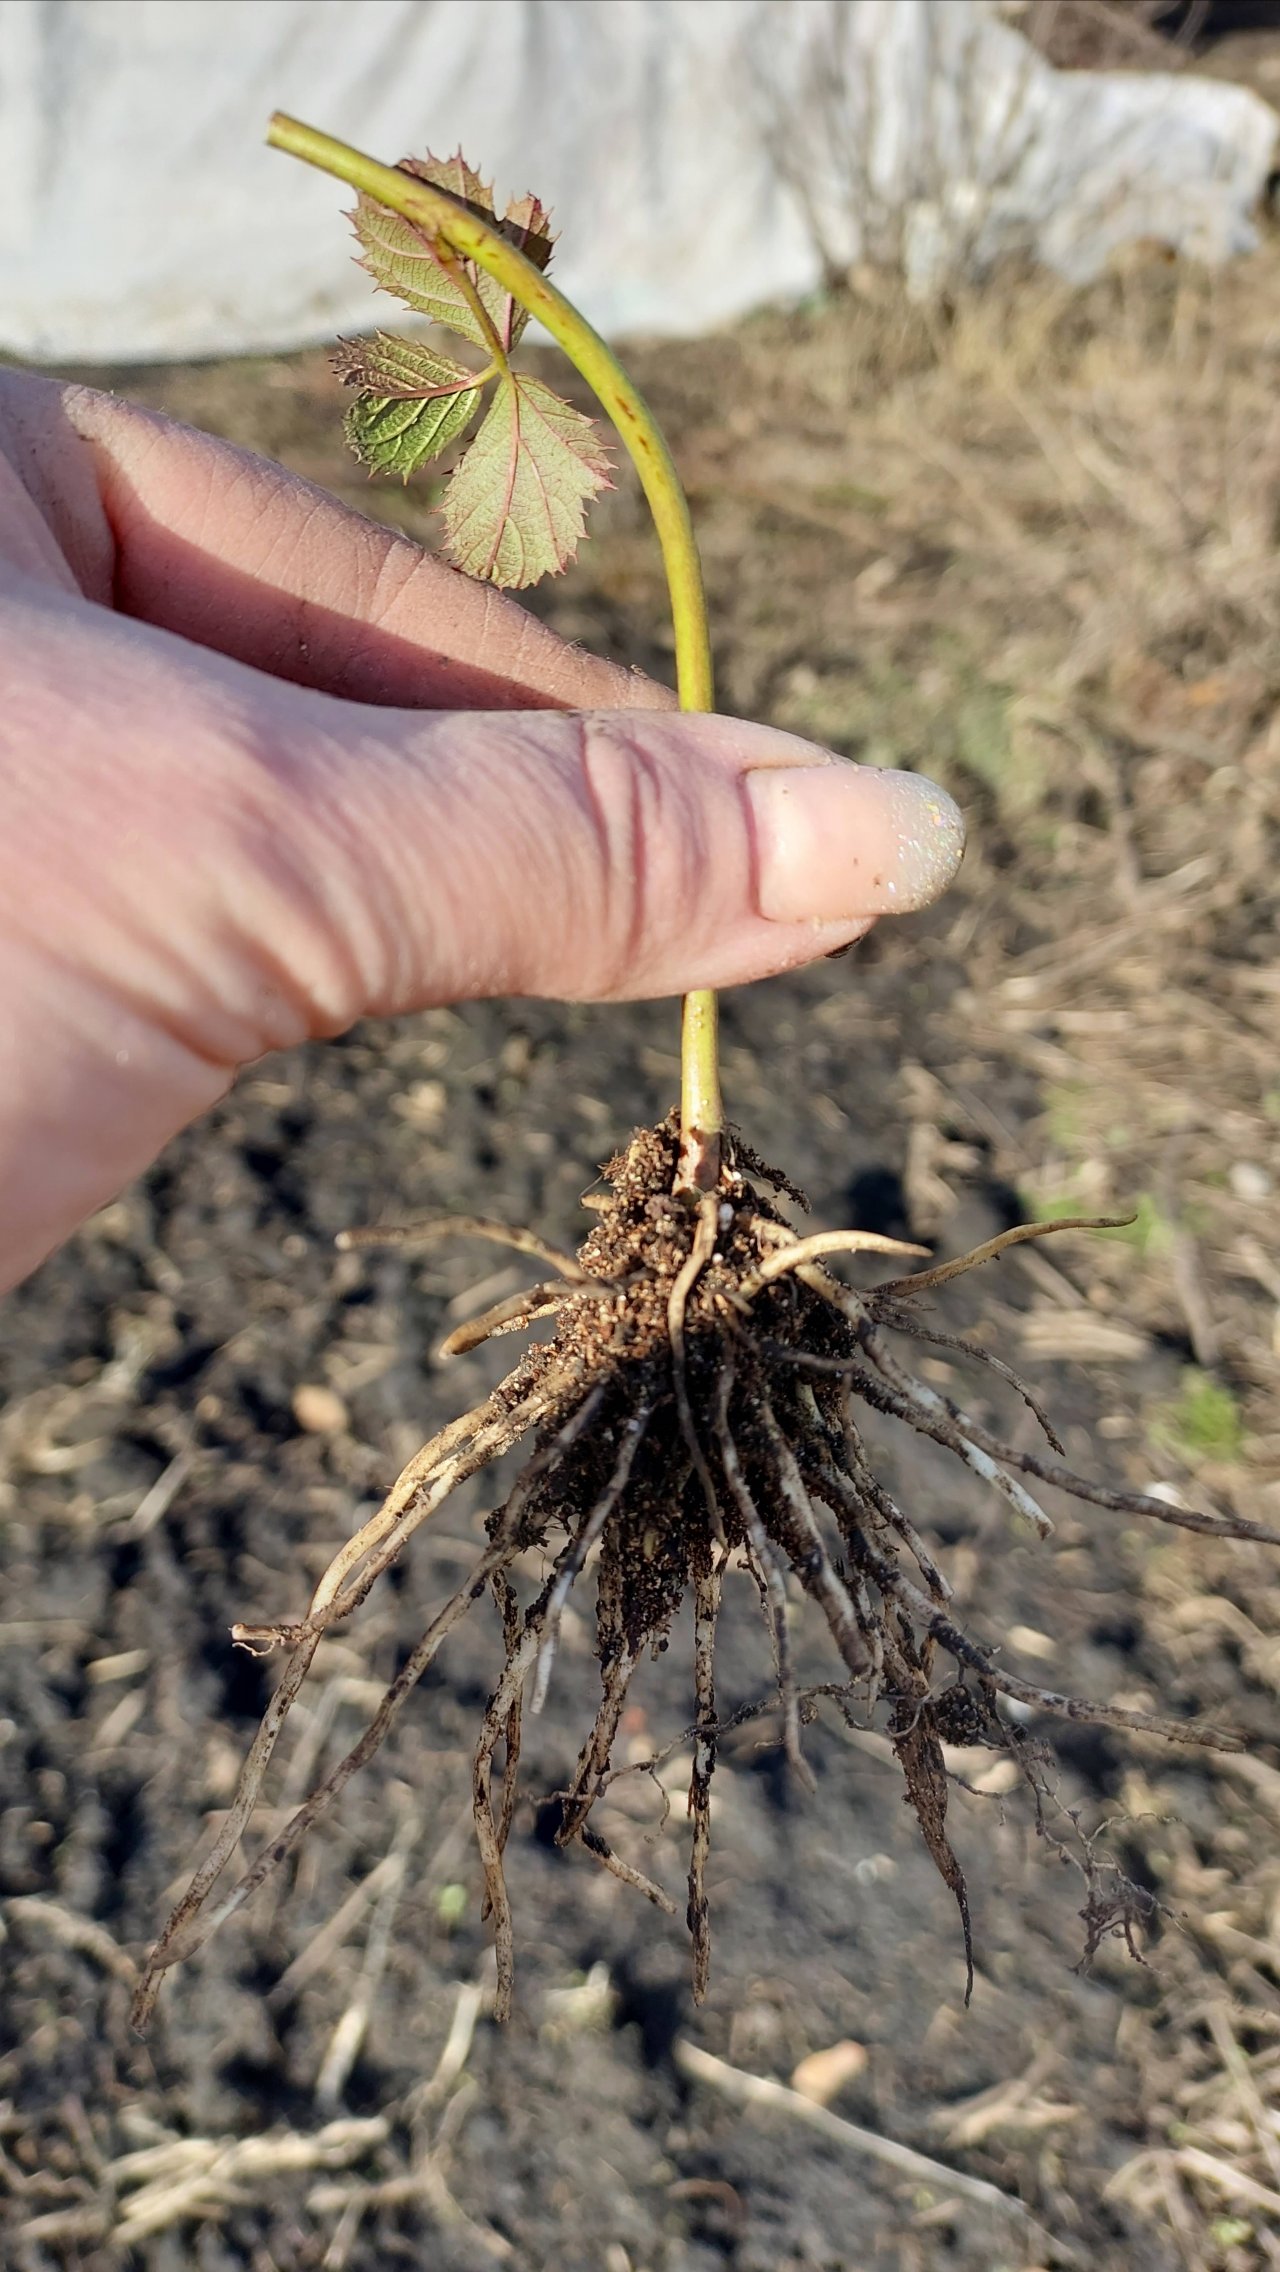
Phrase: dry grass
pixel 169 2182
pixel 1111 35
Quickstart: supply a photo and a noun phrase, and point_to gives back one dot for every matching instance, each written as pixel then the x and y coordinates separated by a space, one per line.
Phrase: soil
pixel 203 1397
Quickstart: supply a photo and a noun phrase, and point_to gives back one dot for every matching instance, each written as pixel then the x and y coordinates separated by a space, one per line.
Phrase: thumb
pixel 598 855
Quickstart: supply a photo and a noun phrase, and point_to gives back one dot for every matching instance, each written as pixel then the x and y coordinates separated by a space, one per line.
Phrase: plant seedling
pixel 698 1396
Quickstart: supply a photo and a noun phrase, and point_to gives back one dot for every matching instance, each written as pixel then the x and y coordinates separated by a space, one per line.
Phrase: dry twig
pixel 759 2093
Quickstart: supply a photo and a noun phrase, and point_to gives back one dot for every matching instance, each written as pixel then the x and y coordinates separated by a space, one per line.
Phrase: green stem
pixel 446 221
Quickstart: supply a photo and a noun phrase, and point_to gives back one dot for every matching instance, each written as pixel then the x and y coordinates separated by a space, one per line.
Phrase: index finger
pixel 233 552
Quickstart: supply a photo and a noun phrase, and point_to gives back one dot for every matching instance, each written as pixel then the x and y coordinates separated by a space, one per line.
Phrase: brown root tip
pixel 259 1640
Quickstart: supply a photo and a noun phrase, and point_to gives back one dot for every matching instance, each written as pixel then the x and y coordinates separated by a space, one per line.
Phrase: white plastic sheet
pixel 703 155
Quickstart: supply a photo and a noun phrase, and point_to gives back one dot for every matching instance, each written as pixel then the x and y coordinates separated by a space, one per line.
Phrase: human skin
pixel 266 768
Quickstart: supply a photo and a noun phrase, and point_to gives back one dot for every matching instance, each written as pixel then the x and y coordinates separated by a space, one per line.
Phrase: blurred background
pixel 964 324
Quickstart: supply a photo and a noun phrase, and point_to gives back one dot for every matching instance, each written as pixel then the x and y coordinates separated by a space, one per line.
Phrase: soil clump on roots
pixel 697 1401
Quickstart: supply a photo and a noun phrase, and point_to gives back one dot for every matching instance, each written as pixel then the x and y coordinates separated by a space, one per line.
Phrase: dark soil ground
pixel 1037 556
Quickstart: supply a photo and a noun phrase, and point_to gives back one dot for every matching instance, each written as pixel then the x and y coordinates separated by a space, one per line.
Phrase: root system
pixel 697 1400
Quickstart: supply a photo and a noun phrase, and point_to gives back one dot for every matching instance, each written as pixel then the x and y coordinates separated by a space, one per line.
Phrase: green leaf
pixel 401 260
pixel 392 435
pixel 514 509
pixel 412 403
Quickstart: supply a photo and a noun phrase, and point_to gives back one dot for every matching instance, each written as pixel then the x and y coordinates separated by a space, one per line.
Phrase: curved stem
pixel 446 221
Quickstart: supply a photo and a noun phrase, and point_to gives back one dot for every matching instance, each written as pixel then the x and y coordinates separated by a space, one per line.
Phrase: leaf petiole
pixel 456 270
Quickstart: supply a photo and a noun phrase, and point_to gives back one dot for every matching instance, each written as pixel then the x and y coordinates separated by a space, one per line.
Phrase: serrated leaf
pixel 392 435
pixel 413 401
pixel 454 174
pixel 515 507
pixel 400 259
pixel 401 262
pixel 388 365
pixel 526 223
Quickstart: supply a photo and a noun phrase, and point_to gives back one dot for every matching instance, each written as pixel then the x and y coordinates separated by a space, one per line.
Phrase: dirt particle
pixel 320 1411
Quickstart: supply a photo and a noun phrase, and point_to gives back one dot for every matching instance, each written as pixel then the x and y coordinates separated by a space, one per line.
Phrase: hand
pixel 266 768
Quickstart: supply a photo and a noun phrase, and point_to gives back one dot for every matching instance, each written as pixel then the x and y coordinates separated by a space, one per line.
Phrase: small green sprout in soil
pixel 1205 1422
pixel 700 1396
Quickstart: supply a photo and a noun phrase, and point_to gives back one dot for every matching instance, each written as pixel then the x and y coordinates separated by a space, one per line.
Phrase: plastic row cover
pixel 703 156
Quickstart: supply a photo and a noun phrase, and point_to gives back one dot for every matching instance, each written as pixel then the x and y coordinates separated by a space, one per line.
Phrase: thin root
pixel 629 1875
pixel 509 1316
pixel 771 1580
pixel 632 1433
pixel 943 1272
pixel 901 1319
pixel 801 1251
pixel 435 1227
pixel 706 1604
